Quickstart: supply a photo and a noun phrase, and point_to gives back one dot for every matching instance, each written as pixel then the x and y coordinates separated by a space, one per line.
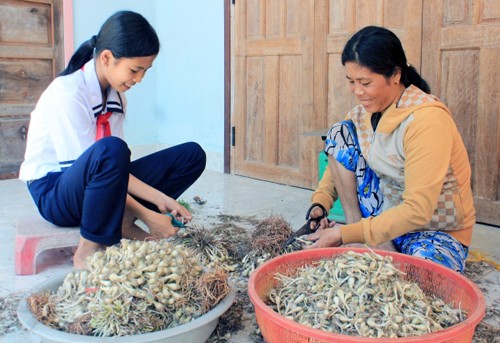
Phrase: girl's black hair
pixel 380 50
pixel 125 34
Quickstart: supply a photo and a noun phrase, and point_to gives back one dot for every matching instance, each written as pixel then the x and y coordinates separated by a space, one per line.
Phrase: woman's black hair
pixel 380 50
pixel 125 34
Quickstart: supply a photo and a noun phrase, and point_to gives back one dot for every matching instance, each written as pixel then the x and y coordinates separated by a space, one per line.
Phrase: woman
pixel 398 162
pixel 78 167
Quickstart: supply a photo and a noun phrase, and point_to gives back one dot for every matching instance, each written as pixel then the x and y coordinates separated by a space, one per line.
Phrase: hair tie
pixel 93 41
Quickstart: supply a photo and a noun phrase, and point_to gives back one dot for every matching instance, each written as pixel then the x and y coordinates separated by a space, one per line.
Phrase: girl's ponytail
pixel 84 54
pixel 126 34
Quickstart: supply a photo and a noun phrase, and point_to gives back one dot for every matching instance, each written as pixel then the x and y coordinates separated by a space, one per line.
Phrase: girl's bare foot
pixel 85 249
pixel 130 230
pixel 135 232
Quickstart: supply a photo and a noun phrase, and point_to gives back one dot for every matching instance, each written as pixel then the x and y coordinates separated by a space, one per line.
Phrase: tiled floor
pixel 228 194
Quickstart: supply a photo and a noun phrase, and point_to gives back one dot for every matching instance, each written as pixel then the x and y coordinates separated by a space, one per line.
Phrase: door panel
pixel 289 80
pixel 273 90
pixel 31 54
pixel 404 18
pixel 460 62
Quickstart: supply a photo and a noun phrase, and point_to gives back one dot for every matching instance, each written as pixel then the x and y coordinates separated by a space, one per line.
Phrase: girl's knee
pixel 113 149
pixel 114 145
pixel 196 151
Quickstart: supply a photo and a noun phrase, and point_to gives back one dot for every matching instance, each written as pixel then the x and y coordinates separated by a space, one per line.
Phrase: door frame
pixel 62 40
pixel 227 85
pixel 68 32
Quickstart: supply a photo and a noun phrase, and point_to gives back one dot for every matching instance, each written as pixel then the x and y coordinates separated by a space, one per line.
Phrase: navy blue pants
pixel 92 192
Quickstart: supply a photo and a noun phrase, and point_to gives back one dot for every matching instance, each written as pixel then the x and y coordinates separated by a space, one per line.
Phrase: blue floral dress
pixel 343 145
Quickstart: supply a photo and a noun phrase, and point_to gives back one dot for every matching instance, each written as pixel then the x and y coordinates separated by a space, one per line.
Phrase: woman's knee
pixel 341 134
pixel 343 123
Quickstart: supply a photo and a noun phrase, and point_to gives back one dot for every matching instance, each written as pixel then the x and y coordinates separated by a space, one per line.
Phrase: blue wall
pixel 190 82
pixel 182 97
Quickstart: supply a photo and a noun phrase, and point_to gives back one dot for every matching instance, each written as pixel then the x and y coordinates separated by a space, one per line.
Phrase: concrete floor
pixel 227 194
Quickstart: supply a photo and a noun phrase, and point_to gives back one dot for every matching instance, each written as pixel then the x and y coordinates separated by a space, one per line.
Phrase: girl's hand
pixel 168 204
pixel 160 225
pixel 323 238
pixel 163 202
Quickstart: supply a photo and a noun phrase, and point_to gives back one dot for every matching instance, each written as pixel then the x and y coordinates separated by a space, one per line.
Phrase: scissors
pixel 306 228
pixel 176 222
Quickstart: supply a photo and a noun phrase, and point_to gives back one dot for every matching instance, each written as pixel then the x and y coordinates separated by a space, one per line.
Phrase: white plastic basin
pixel 198 330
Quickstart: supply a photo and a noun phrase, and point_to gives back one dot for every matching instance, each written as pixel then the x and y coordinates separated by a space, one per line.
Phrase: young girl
pixel 77 166
pixel 398 162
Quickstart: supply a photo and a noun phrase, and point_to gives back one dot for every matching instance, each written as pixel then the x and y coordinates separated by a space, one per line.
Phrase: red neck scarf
pixel 102 126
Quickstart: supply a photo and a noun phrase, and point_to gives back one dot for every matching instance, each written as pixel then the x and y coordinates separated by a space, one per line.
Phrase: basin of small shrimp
pixel 433 279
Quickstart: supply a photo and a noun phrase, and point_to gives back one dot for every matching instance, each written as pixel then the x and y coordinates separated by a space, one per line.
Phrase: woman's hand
pixel 318 218
pixel 323 224
pixel 323 238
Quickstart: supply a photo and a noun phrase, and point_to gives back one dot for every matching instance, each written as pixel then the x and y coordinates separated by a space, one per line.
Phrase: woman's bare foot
pixel 85 249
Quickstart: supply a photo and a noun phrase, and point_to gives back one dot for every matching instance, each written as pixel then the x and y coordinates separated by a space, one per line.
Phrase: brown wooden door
pixel 404 18
pixel 460 60
pixel 31 54
pixel 289 80
pixel 273 101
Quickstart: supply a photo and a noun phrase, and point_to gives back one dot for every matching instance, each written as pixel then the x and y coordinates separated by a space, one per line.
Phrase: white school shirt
pixel 63 123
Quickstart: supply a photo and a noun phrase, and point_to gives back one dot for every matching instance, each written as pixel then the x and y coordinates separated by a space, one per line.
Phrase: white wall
pixel 182 97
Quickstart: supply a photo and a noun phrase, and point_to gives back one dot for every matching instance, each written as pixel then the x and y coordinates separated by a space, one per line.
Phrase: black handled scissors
pixel 306 228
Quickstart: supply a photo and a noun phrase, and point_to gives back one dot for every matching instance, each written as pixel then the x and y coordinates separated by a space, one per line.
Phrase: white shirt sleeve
pixel 71 127
pixel 63 124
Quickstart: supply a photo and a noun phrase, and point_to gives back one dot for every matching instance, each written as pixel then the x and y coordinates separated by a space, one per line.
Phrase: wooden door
pixel 273 101
pixel 460 61
pixel 345 18
pixel 289 80
pixel 31 54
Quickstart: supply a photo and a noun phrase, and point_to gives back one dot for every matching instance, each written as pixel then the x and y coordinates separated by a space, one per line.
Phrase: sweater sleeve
pixel 325 194
pixel 427 146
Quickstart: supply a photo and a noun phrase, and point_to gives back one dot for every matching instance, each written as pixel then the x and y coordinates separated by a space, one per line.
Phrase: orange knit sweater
pixel 423 167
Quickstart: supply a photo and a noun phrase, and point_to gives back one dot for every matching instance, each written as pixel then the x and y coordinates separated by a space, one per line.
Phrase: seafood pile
pixel 132 288
pixel 238 251
pixel 252 260
pixel 360 294
pixel 266 243
pixel 209 248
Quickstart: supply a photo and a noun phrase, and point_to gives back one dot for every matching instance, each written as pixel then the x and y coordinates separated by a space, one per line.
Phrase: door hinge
pixel 233 136
pixel 23 131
